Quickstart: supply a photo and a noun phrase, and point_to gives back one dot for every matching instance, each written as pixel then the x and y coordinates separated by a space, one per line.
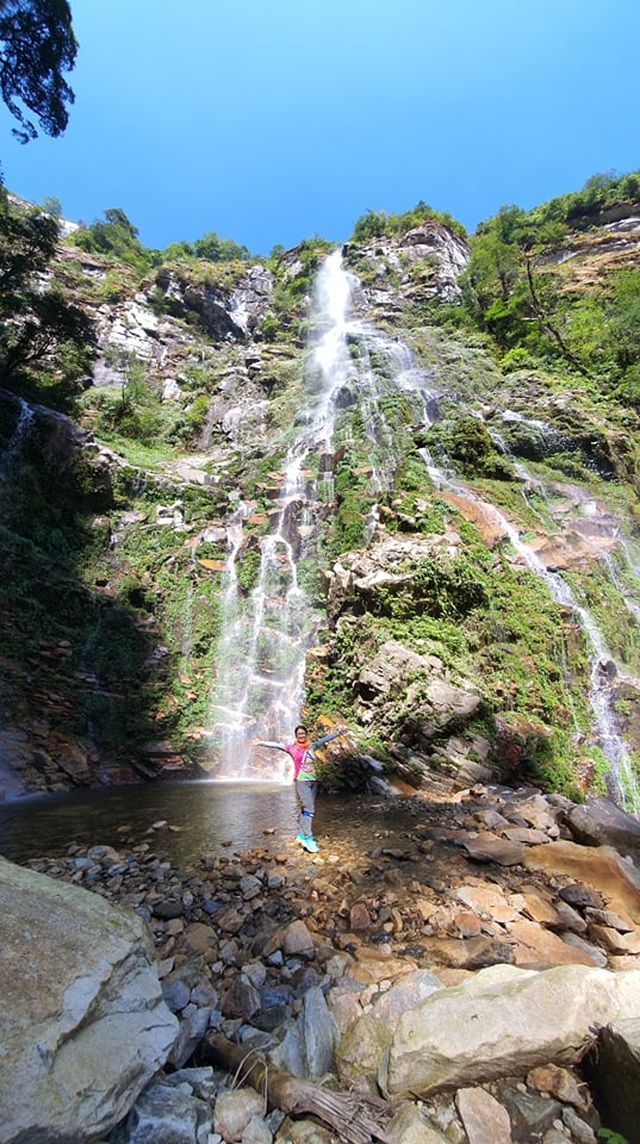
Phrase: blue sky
pixel 269 122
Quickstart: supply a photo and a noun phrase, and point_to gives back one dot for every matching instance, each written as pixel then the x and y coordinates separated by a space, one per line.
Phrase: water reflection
pixel 203 815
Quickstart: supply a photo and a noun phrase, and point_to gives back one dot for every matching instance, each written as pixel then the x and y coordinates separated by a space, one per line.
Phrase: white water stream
pixel 261 655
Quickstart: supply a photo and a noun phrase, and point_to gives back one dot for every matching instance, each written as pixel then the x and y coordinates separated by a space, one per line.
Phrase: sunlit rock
pixel 82 1018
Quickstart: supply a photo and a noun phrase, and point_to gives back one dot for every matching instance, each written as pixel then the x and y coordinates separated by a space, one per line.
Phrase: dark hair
pixel 300 727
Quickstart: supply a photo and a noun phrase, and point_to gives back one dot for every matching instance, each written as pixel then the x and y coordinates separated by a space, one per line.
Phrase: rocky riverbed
pixel 472 978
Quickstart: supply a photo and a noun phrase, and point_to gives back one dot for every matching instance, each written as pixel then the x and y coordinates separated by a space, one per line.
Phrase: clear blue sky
pixel 269 122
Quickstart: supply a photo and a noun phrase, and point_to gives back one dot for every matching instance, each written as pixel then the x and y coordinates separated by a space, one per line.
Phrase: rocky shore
pixel 471 978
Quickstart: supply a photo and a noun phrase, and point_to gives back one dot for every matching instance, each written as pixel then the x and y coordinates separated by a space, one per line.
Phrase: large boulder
pixel 501 1022
pixel 602 823
pixel 83 1025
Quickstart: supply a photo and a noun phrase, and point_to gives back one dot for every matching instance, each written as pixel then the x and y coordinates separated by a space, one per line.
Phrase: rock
pixel 257 1132
pixel 601 822
pixel 409 1126
pixel 164 1113
pixel 613 1067
pixel 360 1051
pixel 485 1120
pixel 487 847
pixel 599 867
pixel 530 1114
pixel 538 948
pixel 308 1048
pixel 234 1110
pixel 501 1022
pixel 82 1017
pixel 240 998
pixel 558 1082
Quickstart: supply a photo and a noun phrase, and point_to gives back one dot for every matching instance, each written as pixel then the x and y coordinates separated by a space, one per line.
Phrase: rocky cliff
pixel 462 532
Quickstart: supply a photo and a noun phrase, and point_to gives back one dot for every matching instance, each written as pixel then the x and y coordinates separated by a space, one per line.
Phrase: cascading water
pixel 603 669
pixel 266 634
pixel 16 442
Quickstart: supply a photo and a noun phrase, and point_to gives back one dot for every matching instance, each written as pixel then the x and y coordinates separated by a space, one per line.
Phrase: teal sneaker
pixel 300 837
pixel 311 845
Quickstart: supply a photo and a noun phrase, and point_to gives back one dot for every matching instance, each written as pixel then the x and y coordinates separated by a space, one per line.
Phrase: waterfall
pixel 623 783
pixel 261 654
pixel 352 367
pixel 15 444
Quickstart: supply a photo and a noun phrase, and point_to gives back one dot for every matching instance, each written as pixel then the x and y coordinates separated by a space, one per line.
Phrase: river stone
pixel 503 1021
pixel 83 1023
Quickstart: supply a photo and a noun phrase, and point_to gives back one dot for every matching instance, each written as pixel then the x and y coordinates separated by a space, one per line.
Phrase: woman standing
pixel 302 752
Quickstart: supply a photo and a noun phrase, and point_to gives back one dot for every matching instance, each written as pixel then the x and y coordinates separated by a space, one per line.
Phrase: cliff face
pixel 309 471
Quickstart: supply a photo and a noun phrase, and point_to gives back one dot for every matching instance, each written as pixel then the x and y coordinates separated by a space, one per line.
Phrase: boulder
pixel 503 1021
pixel 602 823
pixel 83 1023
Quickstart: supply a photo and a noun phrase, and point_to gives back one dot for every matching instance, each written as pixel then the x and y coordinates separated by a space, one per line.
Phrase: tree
pixel 38 325
pixel 37 45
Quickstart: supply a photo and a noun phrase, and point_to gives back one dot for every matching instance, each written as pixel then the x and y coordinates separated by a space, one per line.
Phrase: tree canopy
pixel 37 46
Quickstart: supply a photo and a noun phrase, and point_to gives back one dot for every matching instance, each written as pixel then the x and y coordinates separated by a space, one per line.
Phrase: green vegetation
pixel 378 224
pixel 46 341
pixel 527 305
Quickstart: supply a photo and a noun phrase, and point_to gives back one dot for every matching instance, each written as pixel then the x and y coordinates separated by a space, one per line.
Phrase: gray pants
pixel 306 792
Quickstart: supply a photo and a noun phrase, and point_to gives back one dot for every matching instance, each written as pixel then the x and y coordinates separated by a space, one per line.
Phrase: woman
pixel 304 775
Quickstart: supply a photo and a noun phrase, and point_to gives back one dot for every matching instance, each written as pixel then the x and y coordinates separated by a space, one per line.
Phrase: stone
pixel 487 847
pixel 489 901
pixel 257 1132
pixel 297 939
pixel 599 867
pixel 539 948
pixel 234 1110
pixel 530 1114
pixel 558 1082
pixel 165 1113
pixel 484 1118
pixel 613 1068
pixel 602 822
pixel 503 1021
pixel 240 998
pixel 82 1018
pixel 409 1126
pixel 308 1047
pixel 360 1051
